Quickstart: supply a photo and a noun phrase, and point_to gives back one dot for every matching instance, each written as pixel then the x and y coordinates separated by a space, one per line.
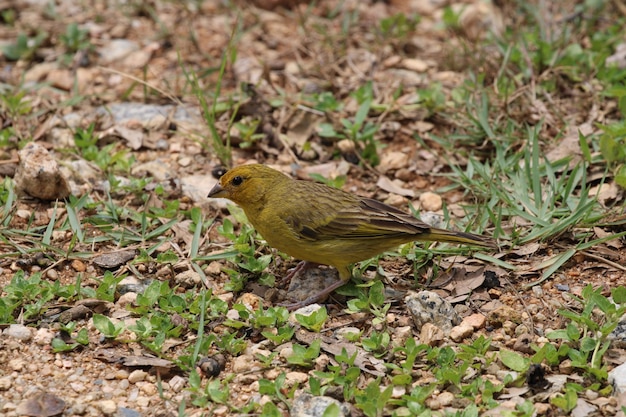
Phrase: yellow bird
pixel 323 225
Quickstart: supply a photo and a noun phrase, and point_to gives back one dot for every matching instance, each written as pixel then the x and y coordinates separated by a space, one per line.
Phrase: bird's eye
pixel 237 180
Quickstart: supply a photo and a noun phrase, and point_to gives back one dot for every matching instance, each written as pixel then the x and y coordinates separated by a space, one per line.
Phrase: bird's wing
pixel 353 218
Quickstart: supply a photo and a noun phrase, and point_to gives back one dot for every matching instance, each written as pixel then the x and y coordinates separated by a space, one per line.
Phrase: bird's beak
pixel 217 191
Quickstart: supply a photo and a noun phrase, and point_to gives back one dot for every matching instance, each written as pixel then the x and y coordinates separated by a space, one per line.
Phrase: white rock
pixel 430 201
pixel 18 332
pixel 38 174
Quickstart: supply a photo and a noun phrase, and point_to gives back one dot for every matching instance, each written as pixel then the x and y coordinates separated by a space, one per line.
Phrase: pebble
pixel 286 351
pixel 6 382
pixel 128 412
pixel 143 401
pixel 17 365
pixel 245 363
pixel 524 343
pixel 322 362
pixel 617 377
pixel 414 64
pixel 221 410
pixel 78 265
pixel 177 383
pixel 136 376
pixel 122 374
pixel 188 279
pixel 542 408
pixel 117 49
pixel 429 307
pixel 442 400
pixel 22 214
pixel 431 335
pixel 498 316
pixel 477 321
pixel 38 174
pixel 184 161
pixel 127 299
pixel 305 405
pixel 347 332
pixel 461 332
pixel 148 388
pixel 108 407
pixel 272 373
pixel 77 387
pixel 401 335
pixel 293 378
pixel 430 201
pixel 19 332
pixel 392 161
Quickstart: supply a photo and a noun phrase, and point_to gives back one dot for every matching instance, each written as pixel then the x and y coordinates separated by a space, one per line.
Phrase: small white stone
pixel 430 201
pixel 292 378
pixel 149 389
pixel 6 382
pixel 463 331
pixel 17 365
pixel 136 376
pixel 414 64
pixel 177 383
pixel 19 332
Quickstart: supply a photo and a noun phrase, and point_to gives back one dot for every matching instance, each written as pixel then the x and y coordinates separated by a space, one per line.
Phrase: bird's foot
pixel 314 298
pixel 302 266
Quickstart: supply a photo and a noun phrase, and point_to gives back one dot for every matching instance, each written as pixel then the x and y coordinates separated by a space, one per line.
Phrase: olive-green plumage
pixel 324 225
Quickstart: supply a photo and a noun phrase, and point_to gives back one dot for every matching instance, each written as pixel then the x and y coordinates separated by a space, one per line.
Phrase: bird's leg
pixel 302 266
pixel 316 297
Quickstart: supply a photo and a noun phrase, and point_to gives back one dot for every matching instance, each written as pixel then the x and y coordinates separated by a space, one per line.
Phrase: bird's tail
pixel 442 235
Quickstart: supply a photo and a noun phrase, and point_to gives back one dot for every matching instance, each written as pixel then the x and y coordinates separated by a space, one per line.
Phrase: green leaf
pixel 105 326
pixel 514 361
pixel 58 345
pixel 610 149
pixel 313 321
pixel 332 410
pixel 619 295
pixel 584 146
pixel 620 177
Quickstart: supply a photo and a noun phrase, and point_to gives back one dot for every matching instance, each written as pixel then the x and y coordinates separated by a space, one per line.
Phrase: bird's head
pixel 247 184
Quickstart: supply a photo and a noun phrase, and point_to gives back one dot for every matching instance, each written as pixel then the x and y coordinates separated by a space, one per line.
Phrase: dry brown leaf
pixel 386 184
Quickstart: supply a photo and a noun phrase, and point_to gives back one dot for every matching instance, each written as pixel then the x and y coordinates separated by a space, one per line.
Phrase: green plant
pixel 106 158
pixel 372 400
pixel 304 356
pixel 377 342
pixel 568 401
pixel 612 147
pixel 398 26
pixel 344 375
pixel 14 104
pixel 108 328
pixel 372 301
pixel 245 254
pixel 313 321
pixel 24 47
pixel 82 338
pixel 29 294
pixel 276 388
pixel 215 391
pixel 210 112
pixel 75 39
pixel 586 336
pixel 358 130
